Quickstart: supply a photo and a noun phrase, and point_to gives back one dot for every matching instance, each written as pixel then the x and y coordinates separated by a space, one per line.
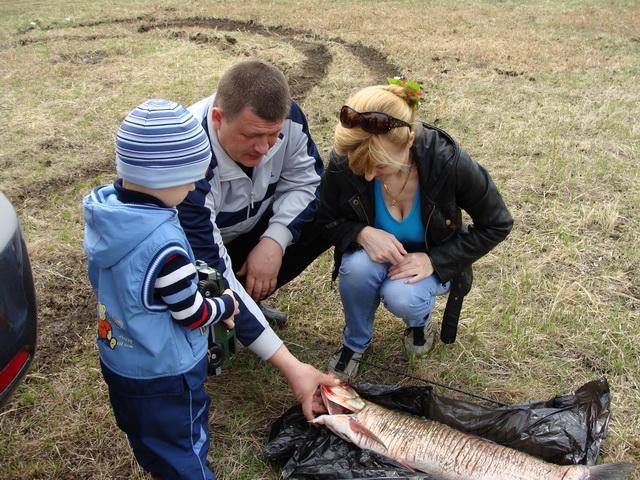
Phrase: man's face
pixel 247 137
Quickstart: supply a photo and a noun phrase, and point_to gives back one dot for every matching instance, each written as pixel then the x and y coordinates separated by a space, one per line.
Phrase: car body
pixel 18 314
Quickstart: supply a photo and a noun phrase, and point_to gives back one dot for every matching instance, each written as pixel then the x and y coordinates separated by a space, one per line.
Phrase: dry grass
pixel 545 95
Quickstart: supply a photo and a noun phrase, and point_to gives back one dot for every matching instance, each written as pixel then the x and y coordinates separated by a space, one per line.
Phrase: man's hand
pixel 260 269
pixel 381 246
pixel 303 380
pixel 417 266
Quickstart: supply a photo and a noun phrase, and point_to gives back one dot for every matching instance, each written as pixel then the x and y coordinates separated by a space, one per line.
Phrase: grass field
pixel 544 94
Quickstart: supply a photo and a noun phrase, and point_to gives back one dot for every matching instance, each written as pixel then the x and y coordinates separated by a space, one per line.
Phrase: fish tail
pixel 611 471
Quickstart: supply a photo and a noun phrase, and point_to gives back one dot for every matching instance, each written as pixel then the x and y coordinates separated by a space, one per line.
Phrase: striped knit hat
pixel 160 145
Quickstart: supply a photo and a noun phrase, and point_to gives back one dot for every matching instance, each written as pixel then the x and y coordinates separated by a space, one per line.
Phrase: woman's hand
pixel 381 246
pixel 417 266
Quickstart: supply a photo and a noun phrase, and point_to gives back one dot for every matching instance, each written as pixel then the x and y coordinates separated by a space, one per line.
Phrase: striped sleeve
pixel 178 289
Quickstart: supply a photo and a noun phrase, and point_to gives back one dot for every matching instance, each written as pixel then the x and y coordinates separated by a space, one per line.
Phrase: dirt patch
pixel 89 57
pixel 378 63
pixel 65 312
pixel 38 195
pixel 55 144
pixel 508 73
pixel 69 38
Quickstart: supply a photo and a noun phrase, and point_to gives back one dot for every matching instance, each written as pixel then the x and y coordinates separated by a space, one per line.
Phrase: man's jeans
pixel 364 283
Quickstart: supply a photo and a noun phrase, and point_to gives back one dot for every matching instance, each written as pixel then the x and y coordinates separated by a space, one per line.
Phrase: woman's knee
pixel 407 301
pixel 358 267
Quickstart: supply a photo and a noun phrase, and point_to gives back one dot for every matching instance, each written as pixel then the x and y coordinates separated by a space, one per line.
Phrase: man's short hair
pixel 257 85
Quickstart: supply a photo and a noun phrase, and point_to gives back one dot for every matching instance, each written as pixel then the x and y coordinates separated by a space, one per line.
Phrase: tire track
pixel 67 306
pixel 312 71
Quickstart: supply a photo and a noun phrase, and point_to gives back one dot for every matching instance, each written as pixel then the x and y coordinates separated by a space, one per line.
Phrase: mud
pixel 69 38
pixel 66 311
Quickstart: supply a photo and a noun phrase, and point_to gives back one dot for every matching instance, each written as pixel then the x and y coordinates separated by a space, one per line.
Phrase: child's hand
pixel 229 323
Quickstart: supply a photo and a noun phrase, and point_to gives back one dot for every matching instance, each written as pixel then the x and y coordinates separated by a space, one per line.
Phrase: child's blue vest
pixel 137 337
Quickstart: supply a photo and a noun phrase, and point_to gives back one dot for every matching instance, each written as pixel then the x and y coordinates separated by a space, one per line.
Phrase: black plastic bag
pixel 568 429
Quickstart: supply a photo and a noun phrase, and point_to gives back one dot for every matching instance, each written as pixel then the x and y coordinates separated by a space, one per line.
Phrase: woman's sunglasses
pixel 371 122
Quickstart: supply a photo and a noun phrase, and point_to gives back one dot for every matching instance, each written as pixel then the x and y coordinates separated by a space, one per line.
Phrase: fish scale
pixel 442 451
pixel 460 457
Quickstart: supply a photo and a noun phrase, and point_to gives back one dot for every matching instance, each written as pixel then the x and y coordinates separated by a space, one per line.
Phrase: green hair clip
pixel 412 90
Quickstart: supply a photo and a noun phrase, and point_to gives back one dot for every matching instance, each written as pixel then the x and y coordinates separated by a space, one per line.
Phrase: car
pixel 18 312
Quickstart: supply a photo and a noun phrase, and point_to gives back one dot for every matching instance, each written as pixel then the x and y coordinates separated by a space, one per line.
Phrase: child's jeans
pixel 363 283
pixel 166 421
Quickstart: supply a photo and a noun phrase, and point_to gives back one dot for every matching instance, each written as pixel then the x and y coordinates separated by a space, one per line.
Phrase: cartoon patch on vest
pixel 105 331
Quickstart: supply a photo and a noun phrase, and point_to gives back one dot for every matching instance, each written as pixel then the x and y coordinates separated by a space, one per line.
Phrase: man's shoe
pixel 345 363
pixel 274 317
pixel 418 341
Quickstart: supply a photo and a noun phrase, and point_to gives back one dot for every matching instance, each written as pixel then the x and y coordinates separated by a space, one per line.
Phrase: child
pixel 152 321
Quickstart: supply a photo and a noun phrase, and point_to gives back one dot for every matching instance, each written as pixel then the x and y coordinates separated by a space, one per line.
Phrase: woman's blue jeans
pixel 364 283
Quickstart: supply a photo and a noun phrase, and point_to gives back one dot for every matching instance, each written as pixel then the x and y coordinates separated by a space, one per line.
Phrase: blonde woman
pixel 391 205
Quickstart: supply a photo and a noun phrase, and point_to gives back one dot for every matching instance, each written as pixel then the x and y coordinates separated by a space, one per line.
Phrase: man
pixel 259 199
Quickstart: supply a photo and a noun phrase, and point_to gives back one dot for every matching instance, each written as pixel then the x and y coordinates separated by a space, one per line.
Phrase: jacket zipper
pixel 426 227
pixel 251 200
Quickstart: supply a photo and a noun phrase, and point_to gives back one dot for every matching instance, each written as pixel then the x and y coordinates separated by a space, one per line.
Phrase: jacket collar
pixel 432 142
pixel 125 195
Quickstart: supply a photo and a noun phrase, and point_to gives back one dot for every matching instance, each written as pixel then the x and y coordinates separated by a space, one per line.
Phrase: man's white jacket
pixel 227 203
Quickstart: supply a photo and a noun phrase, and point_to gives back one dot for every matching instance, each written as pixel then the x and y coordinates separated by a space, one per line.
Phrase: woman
pixel 391 205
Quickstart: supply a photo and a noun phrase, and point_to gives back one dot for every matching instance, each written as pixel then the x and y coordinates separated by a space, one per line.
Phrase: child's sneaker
pixel 345 363
pixel 418 341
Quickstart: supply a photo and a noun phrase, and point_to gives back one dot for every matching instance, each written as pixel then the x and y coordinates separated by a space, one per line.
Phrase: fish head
pixel 341 399
pixel 338 424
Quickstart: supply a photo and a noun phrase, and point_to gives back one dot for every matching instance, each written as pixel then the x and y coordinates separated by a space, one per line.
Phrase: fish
pixel 439 450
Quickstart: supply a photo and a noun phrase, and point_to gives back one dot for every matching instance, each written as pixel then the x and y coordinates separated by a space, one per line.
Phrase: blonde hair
pixel 364 150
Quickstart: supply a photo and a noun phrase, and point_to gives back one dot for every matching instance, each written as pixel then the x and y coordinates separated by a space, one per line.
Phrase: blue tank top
pixel 410 230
